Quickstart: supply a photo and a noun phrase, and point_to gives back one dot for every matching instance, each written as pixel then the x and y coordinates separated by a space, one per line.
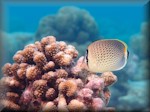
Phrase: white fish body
pixel 106 55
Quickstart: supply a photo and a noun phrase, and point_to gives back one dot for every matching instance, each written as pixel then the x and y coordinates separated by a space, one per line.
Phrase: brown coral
pixel 50 94
pixel 61 73
pixel 62 45
pixel 35 105
pixel 48 40
pixel 51 50
pixel 39 87
pixel 50 76
pixel 12 96
pixel 58 81
pixel 9 69
pixel 68 87
pixel 49 107
pixel 14 68
pixel 109 78
pixel 71 51
pixel 23 65
pixel 76 106
pixel 39 58
pixel 21 73
pixel 39 84
pixel 107 95
pixel 62 104
pixel 12 82
pixel 32 72
pixel 38 46
pixel 63 59
pixel 28 54
pixel 10 105
pixel 45 77
pixel 18 57
pixel 44 41
pixel 49 66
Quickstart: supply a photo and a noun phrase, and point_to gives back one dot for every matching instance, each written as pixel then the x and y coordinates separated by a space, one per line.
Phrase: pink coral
pixel 85 95
pixel 97 104
pixel 45 77
pixel 95 84
pixel 26 96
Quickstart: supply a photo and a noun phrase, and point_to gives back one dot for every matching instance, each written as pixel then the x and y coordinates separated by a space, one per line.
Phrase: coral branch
pixel 68 87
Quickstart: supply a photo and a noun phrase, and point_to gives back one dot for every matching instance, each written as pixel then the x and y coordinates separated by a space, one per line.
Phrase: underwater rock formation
pixel 138 93
pixel 69 24
pixel 140 42
pixel 45 77
pixel 139 59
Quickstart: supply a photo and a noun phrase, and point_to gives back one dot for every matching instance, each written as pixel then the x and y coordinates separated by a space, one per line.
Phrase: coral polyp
pixel 45 77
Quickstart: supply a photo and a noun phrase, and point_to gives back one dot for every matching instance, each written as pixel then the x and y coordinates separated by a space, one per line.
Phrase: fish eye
pixel 127 54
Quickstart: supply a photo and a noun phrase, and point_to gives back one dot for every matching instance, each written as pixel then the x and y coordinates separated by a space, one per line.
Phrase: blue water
pixel 125 19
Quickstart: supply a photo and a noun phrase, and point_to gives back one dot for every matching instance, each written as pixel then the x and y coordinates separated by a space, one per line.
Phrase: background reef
pixel 69 24
pixel 79 25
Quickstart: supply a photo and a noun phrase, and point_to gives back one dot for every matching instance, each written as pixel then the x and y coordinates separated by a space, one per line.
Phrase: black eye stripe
pixel 87 56
pixel 127 54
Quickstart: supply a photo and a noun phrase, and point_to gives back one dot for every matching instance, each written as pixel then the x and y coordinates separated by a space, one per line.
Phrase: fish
pixel 106 55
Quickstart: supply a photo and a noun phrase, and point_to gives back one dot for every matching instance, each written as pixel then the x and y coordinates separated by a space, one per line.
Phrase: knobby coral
pixel 78 27
pixel 45 77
